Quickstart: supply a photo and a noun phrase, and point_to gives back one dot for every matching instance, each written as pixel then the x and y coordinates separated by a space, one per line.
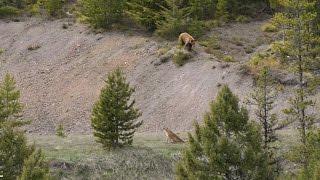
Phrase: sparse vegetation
pixel 211 43
pixel 260 60
pixel 1 51
pixel 237 41
pixel 180 57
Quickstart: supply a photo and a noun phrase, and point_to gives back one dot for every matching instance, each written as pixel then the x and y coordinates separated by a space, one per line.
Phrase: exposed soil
pixel 61 78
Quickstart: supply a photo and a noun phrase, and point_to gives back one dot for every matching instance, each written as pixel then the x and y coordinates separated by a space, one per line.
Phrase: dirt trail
pixel 61 80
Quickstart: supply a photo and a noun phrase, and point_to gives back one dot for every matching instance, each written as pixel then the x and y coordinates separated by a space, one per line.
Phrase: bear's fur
pixel 187 41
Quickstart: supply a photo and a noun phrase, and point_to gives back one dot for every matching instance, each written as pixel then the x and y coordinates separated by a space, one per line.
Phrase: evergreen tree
pixel 35 167
pixel 10 106
pixel 227 146
pixel 298 46
pixel 102 13
pixel 113 116
pixel 174 20
pixel 263 98
pixel 202 9
pixel 13 152
pixel 145 13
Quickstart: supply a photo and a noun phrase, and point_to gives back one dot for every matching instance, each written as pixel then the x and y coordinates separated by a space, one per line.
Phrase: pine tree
pixel 35 167
pixel 145 13
pixel 202 9
pixel 10 106
pixel 174 20
pixel 114 117
pixel 227 146
pixel 298 46
pixel 13 151
pixel 102 13
pixel 263 99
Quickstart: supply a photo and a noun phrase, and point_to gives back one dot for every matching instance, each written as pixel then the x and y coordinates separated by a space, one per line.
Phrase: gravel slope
pixel 61 80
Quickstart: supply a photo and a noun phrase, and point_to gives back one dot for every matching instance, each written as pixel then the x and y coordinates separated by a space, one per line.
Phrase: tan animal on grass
pixel 172 137
pixel 187 41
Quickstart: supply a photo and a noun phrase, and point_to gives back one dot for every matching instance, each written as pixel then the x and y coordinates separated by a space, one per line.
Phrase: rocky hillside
pixel 60 68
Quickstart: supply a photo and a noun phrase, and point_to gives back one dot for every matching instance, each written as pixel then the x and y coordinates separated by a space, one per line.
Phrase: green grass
pixel 149 157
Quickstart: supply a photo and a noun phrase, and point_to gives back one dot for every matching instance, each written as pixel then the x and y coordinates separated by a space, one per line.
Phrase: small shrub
pixel 228 58
pixel 1 51
pixel 6 11
pixel 180 57
pixel 163 50
pixel 242 19
pixel 237 41
pixel 65 26
pixel 33 47
pixel 249 49
pixel 268 27
pixel 60 131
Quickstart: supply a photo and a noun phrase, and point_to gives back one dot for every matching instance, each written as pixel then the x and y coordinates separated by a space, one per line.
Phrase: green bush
pixel 180 57
pixel 6 11
pixel 102 13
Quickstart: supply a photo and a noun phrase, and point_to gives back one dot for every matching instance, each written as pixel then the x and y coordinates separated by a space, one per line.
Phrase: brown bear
pixel 187 41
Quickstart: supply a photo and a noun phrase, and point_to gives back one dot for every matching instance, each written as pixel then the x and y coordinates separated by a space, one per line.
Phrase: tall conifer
pixel 227 146
pixel 114 116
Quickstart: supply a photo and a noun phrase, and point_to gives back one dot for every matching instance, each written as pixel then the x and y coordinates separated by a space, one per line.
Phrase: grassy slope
pixel 80 157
